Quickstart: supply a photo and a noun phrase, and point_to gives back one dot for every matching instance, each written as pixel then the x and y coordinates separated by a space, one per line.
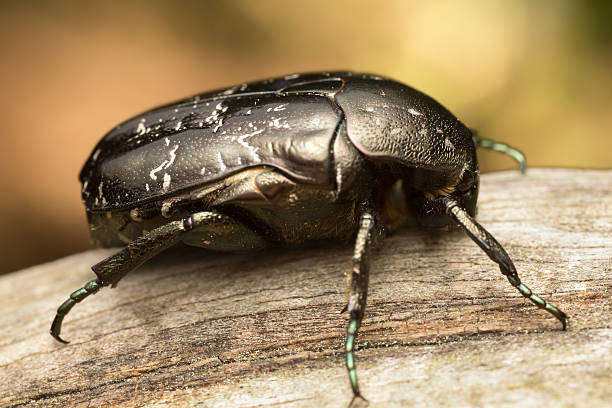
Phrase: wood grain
pixel 442 328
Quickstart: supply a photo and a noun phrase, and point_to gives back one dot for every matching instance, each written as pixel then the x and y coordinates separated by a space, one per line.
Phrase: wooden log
pixel 443 327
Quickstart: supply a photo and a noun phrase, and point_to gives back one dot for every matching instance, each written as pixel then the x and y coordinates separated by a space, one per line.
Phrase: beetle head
pixel 430 210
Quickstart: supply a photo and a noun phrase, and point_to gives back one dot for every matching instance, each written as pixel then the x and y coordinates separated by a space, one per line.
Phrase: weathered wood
pixel 443 327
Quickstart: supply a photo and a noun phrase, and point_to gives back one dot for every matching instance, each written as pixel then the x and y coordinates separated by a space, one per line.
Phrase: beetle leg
pixel 357 286
pixel 221 232
pixel 497 253
pixel 503 148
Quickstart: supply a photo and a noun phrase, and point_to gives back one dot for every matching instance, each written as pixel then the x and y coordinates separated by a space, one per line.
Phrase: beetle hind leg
pixel 204 229
pixel 357 286
pixel 497 253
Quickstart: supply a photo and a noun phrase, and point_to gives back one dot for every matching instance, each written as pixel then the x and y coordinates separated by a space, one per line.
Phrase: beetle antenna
pixel 503 148
pixel 497 253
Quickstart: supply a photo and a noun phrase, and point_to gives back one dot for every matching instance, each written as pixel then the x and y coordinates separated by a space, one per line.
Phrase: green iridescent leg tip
pixel 497 254
pixel 350 355
pixel 77 296
pixel 542 304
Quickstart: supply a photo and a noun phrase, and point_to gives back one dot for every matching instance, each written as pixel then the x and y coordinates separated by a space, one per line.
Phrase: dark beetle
pixel 283 162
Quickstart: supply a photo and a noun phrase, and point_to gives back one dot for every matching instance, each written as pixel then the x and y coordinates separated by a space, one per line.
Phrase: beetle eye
pixel 466 182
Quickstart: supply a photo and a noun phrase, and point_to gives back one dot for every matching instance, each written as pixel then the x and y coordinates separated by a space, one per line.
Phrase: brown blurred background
pixel 534 74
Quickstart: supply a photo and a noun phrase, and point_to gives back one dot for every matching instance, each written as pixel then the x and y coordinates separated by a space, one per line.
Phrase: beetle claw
pixel 58 338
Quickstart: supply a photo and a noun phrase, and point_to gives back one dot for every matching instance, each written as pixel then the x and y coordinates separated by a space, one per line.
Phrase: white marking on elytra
pixel 218 125
pixel 178 125
pixel 141 129
pixel 167 180
pixel 370 109
pixel 414 112
pixel 85 183
pixel 155 170
pixel 249 112
pixel 276 123
pixel 243 87
pixel 448 143
pixel 220 161
pixel 166 163
pixel 100 189
pixel 172 156
pixel 396 131
pixel 147 187
pixel 292 76
pixel 438 130
pixel 278 108
pixel 243 141
pixel 167 141
pixel 95 155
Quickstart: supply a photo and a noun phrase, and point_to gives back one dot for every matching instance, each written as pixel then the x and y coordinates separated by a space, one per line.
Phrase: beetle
pixel 283 162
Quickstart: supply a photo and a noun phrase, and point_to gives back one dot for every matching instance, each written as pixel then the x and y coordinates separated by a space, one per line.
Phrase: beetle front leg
pixel 497 253
pixel 357 286
pixel 215 227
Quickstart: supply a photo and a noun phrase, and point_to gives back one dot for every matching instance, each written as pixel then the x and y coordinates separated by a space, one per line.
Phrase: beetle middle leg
pixel 497 253
pixel 357 286
pixel 205 229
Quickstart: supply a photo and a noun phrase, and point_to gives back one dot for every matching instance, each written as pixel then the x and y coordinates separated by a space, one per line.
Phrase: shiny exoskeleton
pixel 281 162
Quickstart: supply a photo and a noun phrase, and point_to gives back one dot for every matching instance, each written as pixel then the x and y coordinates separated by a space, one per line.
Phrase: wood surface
pixel 443 327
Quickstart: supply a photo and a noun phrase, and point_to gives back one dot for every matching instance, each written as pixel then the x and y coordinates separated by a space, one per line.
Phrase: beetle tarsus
pixel 497 253
pixel 357 397
pixel 77 296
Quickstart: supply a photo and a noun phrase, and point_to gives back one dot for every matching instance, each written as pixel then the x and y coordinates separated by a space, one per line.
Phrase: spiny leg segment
pixel 112 269
pixel 503 148
pixel 358 292
pixel 497 253
pixel 212 229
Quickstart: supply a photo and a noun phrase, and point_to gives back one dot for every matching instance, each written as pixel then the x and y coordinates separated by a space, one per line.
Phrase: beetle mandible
pixel 285 161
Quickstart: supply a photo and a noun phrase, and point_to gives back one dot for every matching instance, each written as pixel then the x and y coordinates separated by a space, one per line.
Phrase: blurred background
pixel 537 75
